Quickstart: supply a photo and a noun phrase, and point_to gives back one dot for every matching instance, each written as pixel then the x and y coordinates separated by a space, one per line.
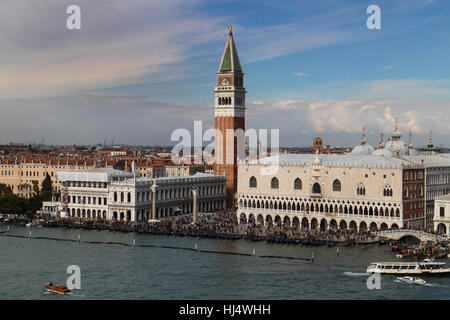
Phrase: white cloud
pixel 289 104
pixel 117 44
pixel 344 118
pixel 301 74
pixel 129 42
pixel 123 43
pixel 387 67
pixel 407 88
pixel 90 118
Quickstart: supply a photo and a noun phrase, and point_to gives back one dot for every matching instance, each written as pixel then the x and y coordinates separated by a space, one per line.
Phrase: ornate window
pixel 361 190
pixel 316 188
pixel 252 182
pixel 336 185
pixel 298 184
pixel 387 191
pixel 274 183
pixel 224 100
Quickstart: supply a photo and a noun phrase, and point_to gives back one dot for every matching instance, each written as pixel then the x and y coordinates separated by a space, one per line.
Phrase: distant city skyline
pixel 137 70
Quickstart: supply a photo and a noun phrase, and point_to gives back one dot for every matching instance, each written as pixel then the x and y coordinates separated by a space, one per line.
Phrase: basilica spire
pixel 381 143
pixel 410 144
pixel 396 135
pixel 430 141
pixel 363 139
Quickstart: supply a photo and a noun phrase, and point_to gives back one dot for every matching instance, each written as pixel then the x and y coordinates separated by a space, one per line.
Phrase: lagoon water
pixel 111 271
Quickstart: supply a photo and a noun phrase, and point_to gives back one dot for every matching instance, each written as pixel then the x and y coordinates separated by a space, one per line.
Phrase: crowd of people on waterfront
pixel 426 230
pixel 283 232
pixel 216 223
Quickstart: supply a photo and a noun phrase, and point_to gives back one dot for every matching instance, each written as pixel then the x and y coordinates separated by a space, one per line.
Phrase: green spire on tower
pixel 230 59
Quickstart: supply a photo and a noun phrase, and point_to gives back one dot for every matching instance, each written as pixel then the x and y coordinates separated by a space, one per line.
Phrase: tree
pixel 10 203
pixel 47 188
pixel 34 203
pixel 4 189
pixel 36 187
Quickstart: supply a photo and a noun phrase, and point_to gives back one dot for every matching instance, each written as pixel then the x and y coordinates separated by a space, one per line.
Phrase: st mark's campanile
pixel 229 115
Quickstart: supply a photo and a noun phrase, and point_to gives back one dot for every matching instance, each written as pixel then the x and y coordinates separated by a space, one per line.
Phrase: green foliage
pixel 13 204
pixel 10 203
pixel 47 184
pixel 47 188
pixel 36 187
pixel 35 203
pixel 4 189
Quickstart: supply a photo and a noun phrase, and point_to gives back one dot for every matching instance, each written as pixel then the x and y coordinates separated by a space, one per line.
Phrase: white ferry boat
pixel 424 267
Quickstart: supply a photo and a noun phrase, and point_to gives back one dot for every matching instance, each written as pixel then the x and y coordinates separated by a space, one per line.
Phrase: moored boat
pixel 402 254
pixel 399 247
pixel 32 224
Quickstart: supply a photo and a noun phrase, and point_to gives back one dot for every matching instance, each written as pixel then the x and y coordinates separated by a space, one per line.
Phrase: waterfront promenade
pixel 215 225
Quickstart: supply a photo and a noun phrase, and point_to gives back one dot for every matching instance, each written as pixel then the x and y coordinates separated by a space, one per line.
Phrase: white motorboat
pixel 32 224
pixel 412 280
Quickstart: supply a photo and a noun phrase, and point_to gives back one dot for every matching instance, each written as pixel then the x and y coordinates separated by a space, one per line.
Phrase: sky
pixel 139 69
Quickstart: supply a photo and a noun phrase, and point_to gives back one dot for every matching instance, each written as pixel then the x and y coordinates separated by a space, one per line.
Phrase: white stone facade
pixel 117 195
pixel 322 191
pixel 441 219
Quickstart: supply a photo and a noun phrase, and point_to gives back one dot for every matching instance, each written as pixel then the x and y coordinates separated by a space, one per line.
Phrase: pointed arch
pixel 252 182
pixel 336 186
pixel 298 184
pixel 274 184
pixel 316 188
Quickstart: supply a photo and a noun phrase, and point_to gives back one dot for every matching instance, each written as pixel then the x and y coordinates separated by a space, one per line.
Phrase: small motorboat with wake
pixel 412 280
pixel 56 288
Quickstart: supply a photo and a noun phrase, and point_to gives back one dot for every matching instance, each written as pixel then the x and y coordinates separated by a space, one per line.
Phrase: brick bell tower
pixel 229 115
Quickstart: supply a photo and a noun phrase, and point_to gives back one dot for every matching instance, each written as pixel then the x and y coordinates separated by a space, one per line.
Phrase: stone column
pixel 153 187
pixel 194 204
